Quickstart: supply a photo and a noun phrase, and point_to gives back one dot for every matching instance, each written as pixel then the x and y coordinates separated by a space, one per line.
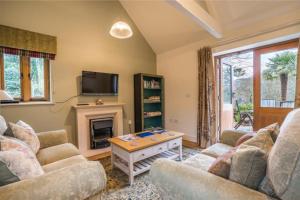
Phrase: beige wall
pixel 83 44
pixel 179 66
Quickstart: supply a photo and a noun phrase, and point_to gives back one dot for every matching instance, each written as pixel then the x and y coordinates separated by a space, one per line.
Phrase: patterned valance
pixel 22 42
pixel 22 52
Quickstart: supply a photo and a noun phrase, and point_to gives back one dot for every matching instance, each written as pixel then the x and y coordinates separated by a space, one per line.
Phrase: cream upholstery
pixel 284 159
pixel 178 181
pixel 52 138
pixel 68 175
pixel 200 161
pixel 217 149
pixel 55 153
pixel 64 163
pixel 78 181
pixel 191 181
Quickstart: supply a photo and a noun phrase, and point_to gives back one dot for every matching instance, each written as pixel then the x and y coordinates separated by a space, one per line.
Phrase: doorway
pixel 257 86
pixel 274 83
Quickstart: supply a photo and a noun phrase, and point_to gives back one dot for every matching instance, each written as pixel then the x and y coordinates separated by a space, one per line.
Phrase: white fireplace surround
pixel 85 113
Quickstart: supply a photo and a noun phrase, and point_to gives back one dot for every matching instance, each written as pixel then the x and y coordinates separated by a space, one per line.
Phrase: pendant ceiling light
pixel 120 30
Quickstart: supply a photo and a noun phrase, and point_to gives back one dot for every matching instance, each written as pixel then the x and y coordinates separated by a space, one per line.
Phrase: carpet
pixel 142 189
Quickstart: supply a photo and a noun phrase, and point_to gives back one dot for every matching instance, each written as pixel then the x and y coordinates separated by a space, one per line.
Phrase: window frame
pixel 25 79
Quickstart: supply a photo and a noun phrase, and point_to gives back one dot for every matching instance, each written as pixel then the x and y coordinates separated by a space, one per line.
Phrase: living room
pixel 172 86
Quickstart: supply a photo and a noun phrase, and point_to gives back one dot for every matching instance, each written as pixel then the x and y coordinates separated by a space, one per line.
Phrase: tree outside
pixel 12 76
pixel 281 67
pixel 237 76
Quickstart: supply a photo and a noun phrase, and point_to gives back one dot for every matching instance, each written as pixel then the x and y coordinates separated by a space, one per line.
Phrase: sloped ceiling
pixel 166 28
pixel 162 25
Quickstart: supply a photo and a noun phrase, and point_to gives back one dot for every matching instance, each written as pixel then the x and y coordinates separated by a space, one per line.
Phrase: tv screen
pixel 96 83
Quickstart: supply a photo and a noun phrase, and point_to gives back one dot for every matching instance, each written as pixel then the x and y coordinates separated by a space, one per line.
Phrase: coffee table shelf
pixel 144 165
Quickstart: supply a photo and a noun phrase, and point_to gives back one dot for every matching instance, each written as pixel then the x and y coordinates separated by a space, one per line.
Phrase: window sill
pixel 32 103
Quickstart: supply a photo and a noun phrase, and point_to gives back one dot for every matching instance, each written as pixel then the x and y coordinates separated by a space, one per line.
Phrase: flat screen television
pixel 97 83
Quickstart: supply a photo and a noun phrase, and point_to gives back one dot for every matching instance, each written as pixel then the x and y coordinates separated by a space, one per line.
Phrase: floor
pixel 142 189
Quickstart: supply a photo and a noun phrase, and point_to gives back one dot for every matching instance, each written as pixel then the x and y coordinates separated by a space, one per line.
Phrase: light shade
pixel 5 96
pixel 121 30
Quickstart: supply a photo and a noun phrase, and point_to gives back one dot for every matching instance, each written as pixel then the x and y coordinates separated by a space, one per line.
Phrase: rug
pixel 141 189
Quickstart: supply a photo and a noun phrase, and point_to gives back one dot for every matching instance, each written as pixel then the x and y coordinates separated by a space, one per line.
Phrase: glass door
pixel 236 90
pixel 274 83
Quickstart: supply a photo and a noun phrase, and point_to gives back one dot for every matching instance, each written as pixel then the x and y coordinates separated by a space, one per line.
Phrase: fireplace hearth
pixel 101 130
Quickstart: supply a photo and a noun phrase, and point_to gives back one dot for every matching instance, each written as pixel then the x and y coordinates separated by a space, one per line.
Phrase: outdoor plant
pixel 281 67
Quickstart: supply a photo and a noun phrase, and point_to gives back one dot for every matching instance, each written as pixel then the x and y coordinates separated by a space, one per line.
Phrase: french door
pixel 274 83
pixel 257 83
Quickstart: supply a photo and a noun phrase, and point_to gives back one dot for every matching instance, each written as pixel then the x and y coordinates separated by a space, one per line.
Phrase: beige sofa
pixel 68 175
pixel 190 179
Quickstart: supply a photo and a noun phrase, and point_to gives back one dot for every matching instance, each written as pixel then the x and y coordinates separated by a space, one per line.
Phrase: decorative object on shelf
pixel 121 30
pixel 152 99
pixel 148 102
pixel 153 84
pixel 152 114
pixel 6 98
pixel 99 102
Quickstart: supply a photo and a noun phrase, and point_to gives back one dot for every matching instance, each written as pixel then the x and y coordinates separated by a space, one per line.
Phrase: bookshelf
pixel 148 102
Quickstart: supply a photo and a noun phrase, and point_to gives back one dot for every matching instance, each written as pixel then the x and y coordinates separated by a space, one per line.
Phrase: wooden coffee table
pixel 136 156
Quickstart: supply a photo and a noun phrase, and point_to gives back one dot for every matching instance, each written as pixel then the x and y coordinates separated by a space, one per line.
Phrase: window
pixel 25 78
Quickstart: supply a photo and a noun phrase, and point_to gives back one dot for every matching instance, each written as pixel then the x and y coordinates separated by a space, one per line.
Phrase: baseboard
pixel 190 138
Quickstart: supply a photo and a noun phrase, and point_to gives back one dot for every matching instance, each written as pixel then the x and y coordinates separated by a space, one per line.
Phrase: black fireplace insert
pixel 101 130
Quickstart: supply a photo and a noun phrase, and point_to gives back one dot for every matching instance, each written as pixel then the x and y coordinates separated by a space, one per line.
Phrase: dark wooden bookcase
pixel 148 102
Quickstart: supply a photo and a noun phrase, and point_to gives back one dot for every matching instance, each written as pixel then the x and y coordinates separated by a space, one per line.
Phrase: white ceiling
pixel 162 25
pixel 166 28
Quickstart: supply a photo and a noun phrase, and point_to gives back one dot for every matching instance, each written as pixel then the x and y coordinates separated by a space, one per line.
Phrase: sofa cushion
pixel 217 150
pixel 244 138
pixel 24 132
pixel 55 153
pixel 274 130
pixel 248 166
pixel 262 140
pixel 284 159
pixel 19 159
pixel 64 163
pixel 221 166
pixel 200 161
pixel 6 176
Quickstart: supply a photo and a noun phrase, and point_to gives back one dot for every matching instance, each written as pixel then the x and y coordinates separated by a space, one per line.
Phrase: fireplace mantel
pixel 98 106
pixel 85 113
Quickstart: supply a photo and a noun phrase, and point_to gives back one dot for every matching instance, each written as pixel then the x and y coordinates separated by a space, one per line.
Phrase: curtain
pixel 23 42
pixel 206 127
pixel 297 98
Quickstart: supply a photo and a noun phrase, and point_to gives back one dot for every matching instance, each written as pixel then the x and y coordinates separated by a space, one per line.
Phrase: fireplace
pixel 101 130
pixel 84 115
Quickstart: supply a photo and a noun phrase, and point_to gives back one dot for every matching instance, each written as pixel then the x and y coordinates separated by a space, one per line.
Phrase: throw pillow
pixel 9 143
pixel 24 132
pixel 3 125
pixel 248 166
pixel 6 176
pixel 8 132
pixel 244 138
pixel 221 166
pixel 274 130
pixel 262 140
pixel 22 163
pixel 19 160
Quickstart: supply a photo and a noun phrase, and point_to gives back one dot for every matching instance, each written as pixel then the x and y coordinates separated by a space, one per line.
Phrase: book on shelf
pixel 153 84
pixel 152 114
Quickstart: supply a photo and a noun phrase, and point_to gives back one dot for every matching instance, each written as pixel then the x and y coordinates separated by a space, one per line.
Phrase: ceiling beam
pixel 199 15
